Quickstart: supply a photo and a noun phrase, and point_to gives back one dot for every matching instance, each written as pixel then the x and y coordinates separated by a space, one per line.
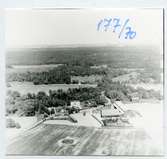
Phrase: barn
pixel 111 111
pixel 113 114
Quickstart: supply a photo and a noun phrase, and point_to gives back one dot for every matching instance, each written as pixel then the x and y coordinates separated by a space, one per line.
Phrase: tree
pixel 52 111
pixel 41 95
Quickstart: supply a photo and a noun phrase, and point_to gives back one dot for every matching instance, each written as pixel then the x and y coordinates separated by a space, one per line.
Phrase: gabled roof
pixel 120 105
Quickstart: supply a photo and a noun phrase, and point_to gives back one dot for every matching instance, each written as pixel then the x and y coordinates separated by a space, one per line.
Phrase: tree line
pixel 124 92
pixel 59 75
pixel 31 103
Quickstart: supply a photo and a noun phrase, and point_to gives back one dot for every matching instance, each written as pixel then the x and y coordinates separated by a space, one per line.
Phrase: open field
pixel 24 122
pixel 45 139
pixel 148 86
pixel 31 68
pixel 125 78
pixel 152 120
pixel 150 111
pixel 29 87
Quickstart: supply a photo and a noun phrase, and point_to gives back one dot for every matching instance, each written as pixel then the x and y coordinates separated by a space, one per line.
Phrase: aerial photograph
pixel 84 82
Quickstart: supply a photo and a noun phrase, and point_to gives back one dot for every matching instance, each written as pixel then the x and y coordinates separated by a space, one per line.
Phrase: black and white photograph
pixel 84 82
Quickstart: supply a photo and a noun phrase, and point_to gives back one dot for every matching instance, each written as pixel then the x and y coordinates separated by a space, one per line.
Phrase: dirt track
pixel 44 140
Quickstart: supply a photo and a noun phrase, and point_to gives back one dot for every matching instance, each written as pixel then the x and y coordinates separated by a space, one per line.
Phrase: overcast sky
pixel 32 28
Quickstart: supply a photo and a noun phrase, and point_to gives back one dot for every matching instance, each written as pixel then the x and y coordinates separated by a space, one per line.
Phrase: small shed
pixel 134 97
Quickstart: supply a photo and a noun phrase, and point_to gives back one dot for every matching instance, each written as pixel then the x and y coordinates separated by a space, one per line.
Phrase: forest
pixel 59 75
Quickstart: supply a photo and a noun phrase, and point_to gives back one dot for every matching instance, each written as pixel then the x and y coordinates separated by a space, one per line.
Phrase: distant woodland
pixel 116 57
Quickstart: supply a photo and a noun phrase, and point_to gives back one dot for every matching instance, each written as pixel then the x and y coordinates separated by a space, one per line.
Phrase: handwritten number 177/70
pixel 115 25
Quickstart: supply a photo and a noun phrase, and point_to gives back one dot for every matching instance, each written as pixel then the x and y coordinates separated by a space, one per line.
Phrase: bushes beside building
pixel 10 123
pixel 27 105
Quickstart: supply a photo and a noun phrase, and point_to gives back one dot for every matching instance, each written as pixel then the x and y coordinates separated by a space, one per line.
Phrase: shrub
pixel 10 123
pixel 18 126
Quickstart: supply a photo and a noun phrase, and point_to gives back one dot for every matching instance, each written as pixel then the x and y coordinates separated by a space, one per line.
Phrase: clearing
pixel 29 87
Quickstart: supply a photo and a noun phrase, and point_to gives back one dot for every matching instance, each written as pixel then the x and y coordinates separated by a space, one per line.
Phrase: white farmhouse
pixel 76 104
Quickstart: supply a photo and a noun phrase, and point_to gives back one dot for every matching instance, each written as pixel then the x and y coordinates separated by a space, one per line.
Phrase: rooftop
pixel 112 110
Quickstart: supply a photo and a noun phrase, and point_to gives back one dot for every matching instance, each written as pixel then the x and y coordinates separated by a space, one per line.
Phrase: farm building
pixel 56 110
pixel 99 66
pixel 86 79
pixel 76 104
pixel 114 115
pixel 112 111
pixel 134 97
